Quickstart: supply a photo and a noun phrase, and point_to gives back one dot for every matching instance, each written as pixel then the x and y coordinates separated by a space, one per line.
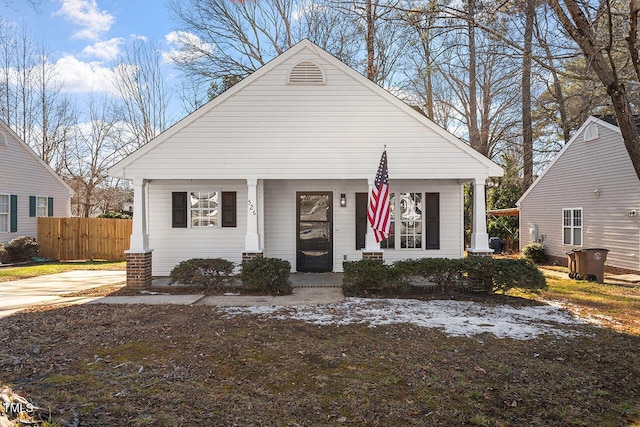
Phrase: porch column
pixel 479 237
pixel 139 241
pixel 371 247
pixel 252 238
pixel 139 271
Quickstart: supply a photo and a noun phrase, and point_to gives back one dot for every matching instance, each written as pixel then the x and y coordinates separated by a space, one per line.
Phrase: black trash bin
pixel 496 244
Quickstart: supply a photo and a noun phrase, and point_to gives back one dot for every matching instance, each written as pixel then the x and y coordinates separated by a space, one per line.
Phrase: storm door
pixel 314 229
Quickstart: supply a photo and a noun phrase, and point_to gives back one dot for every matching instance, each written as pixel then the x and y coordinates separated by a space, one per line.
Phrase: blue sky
pixel 85 37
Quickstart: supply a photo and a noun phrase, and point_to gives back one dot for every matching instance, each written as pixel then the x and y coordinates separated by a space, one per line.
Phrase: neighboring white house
pixel 589 196
pixel 29 188
pixel 280 166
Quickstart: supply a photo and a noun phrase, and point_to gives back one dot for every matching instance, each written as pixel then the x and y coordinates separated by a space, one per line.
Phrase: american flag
pixel 379 209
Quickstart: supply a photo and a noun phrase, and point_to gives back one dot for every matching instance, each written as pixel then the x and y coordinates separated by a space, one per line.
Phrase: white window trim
pixel 572 227
pixel 6 214
pixel 190 209
pixel 46 206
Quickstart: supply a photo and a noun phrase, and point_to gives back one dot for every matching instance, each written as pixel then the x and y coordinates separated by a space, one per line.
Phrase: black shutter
pixel 432 203
pixel 362 200
pixel 32 206
pixel 179 210
pixel 50 206
pixel 229 209
pixel 13 213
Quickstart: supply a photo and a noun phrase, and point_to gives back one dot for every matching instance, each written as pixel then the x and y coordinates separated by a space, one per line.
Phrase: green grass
pixel 616 306
pixel 17 273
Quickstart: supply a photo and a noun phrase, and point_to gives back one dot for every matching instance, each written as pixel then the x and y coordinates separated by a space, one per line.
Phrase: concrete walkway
pixel 631 280
pixel 17 295
pixel 309 289
pixel 300 296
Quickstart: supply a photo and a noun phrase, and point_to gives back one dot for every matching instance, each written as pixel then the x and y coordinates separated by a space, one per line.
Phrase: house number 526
pixel 252 208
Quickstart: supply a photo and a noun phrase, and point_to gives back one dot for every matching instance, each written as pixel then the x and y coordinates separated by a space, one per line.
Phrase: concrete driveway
pixel 20 294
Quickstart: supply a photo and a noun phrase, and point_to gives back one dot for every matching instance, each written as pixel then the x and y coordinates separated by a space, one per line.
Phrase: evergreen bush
pixel 268 275
pixel 211 273
pixel 4 255
pixel 22 248
pixel 535 252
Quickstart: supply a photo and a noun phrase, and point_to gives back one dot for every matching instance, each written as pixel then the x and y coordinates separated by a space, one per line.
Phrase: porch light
pixel 343 200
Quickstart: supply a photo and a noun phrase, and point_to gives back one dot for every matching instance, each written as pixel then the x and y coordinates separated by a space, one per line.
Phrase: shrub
pixel 22 248
pixel 364 277
pixel 114 215
pixel 269 275
pixel 4 255
pixel 205 272
pixel 535 252
pixel 517 273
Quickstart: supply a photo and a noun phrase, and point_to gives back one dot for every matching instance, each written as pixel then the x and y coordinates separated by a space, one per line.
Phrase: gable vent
pixel 3 139
pixel 590 133
pixel 306 73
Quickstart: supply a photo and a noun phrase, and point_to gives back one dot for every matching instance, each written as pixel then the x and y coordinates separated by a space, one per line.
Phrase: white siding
pixel 571 181
pixel 172 245
pixel 280 217
pixel 24 175
pixel 269 129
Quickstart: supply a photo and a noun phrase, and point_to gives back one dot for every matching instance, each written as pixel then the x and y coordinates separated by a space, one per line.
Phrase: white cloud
pixel 107 50
pixel 86 14
pixel 81 77
pixel 185 46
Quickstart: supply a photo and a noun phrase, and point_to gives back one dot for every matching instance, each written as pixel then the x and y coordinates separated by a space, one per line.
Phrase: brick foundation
pixel 139 270
pixel 374 255
pixel 248 256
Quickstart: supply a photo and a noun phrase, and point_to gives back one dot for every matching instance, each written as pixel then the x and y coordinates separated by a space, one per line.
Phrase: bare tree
pixel 596 31
pixel 91 150
pixel 144 96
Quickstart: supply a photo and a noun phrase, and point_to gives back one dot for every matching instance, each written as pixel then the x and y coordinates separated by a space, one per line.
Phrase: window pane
pixel 4 204
pixel 411 220
pixel 41 206
pixel 577 236
pixel 204 209
pixel 567 236
pixel 577 217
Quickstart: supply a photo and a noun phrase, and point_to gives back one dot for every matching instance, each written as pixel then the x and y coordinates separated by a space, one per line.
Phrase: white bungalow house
pixel 589 196
pixel 280 166
pixel 29 188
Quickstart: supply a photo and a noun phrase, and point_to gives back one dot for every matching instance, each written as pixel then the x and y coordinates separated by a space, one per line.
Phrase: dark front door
pixel 314 228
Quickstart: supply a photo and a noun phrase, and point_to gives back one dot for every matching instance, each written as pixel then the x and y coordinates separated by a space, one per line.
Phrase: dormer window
pixel 306 73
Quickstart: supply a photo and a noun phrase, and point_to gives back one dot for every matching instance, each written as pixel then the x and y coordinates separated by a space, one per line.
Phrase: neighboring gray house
pixel 589 196
pixel 280 165
pixel 29 188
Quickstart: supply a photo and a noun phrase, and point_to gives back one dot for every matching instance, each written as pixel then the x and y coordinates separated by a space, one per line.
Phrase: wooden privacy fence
pixel 83 238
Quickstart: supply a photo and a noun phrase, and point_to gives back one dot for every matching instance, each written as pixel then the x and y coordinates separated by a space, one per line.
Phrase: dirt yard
pixel 196 365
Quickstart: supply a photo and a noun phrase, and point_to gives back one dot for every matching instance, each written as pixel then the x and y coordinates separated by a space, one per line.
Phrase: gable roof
pixel 606 121
pixel 25 147
pixel 120 168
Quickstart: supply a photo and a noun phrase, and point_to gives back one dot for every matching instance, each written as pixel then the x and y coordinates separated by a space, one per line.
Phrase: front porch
pixel 316 225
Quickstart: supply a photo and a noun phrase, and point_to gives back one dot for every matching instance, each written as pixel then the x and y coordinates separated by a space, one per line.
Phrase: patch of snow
pixel 456 318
